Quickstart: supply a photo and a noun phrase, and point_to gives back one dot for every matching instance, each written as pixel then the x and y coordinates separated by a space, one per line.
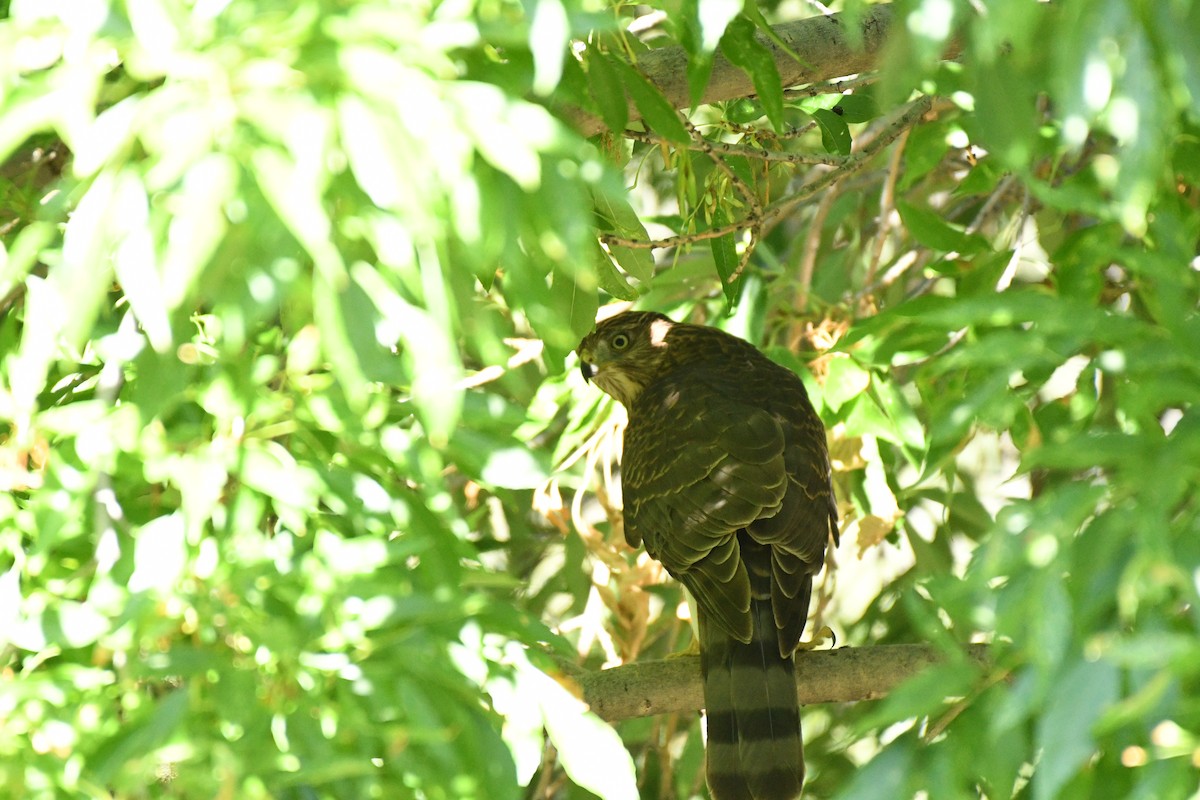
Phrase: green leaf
pixel 198 223
pixel 844 381
pixel 636 261
pixel 907 428
pixel 1064 731
pixel 857 108
pixel 591 752
pixel 62 307
pixel 656 112
pixel 701 24
pixel 329 315
pixel 889 768
pixel 374 146
pixel 982 178
pixel 754 13
pixel 616 215
pixel 430 354
pixel 699 71
pixel 369 336
pixel 573 291
pixel 150 729
pixel 724 250
pixel 19 256
pixel 611 280
pixel 923 694
pixel 604 84
pixel 932 231
pixel 835 135
pixel 863 417
pixel 748 54
pixel 28 112
pixel 111 132
pixel 295 194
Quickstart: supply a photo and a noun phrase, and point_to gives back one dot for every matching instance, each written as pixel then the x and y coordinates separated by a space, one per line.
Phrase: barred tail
pixel 754 747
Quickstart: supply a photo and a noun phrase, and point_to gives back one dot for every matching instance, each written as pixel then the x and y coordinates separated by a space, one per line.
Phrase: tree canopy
pixel 304 496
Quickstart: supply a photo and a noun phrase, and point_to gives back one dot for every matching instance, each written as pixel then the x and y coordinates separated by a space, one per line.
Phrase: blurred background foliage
pixel 303 498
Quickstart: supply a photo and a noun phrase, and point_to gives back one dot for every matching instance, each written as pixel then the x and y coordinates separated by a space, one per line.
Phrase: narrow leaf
pixel 611 280
pixel 932 231
pixel 605 86
pixel 835 135
pixel 748 54
pixel 655 109
pixel 1065 728
pixel 724 250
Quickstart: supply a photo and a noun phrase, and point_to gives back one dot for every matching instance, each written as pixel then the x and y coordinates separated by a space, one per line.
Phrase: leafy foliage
pixel 301 491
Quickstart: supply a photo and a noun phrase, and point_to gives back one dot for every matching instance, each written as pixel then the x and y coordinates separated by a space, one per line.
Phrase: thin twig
pixel 829 159
pixel 1018 246
pixel 900 266
pixel 744 261
pixel 672 241
pixel 812 245
pixel 991 204
pixel 887 205
pixel 886 136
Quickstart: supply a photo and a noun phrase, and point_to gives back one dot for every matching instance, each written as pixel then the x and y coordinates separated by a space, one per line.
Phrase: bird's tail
pixel 755 751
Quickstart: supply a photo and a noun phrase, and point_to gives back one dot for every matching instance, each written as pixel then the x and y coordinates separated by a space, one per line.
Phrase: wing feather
pixel 692 481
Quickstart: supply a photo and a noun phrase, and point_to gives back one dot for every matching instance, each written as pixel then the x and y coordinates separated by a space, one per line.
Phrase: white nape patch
pixel 658 331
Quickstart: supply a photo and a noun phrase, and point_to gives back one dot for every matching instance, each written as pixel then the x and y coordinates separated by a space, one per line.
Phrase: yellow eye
pixel 620 341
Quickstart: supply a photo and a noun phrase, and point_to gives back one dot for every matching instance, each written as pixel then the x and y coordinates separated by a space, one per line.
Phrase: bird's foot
pixel 820 637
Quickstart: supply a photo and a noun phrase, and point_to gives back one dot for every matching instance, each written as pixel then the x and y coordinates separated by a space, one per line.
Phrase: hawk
pixel 726 480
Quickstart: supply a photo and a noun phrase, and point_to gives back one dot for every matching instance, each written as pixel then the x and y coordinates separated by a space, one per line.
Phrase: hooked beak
pixel 589 371
pixel 587 367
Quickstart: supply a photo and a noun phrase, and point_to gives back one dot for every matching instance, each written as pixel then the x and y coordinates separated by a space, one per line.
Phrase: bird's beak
pixel 587 363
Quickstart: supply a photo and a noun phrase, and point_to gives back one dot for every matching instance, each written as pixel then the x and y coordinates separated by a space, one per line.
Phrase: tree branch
pixel 821 41
pixel 843 675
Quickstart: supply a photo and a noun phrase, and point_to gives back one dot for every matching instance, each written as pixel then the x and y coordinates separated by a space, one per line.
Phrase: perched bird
pixel 726 479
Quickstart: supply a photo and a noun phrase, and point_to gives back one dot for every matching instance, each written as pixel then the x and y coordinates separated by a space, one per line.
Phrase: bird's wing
pixel 699 466
pixel 800 531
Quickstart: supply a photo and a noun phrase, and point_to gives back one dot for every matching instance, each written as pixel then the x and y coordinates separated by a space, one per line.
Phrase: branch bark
pixel 843 675
pixel 821 41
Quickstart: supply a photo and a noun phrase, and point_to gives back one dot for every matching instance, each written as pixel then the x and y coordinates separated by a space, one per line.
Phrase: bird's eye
pixel 620 341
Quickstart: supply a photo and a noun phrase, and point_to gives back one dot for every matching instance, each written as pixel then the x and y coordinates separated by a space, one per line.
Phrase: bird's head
pixel 625 353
